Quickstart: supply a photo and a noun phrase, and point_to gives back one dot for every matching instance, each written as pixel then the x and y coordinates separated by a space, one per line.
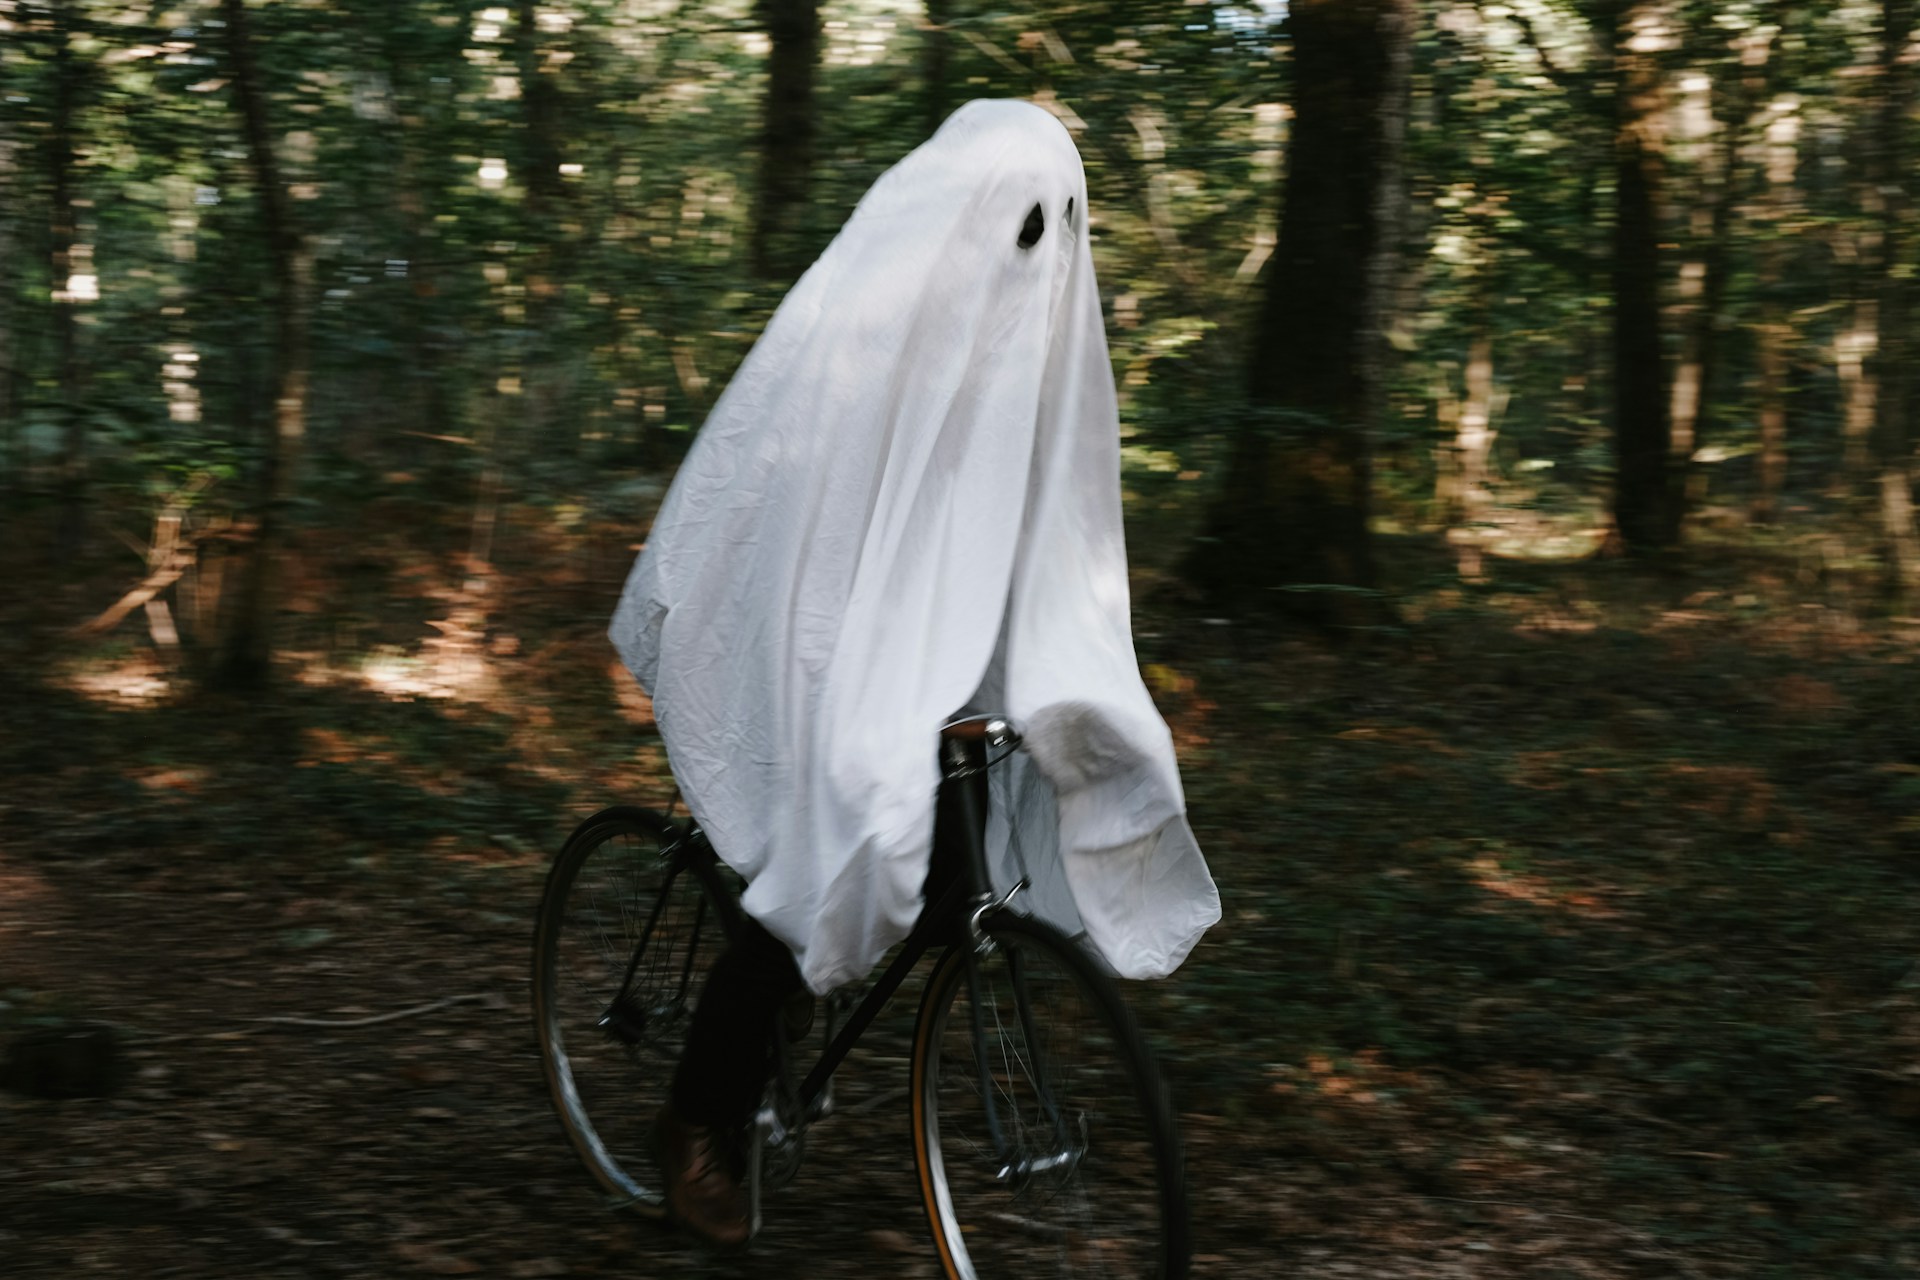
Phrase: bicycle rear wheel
pixel 1083 1176
pixel 626 933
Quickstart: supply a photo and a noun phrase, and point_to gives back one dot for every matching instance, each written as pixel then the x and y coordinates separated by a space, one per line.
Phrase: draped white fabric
pixel 906 502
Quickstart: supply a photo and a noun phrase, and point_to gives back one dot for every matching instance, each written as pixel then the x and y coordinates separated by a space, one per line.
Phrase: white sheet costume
pixel 907 502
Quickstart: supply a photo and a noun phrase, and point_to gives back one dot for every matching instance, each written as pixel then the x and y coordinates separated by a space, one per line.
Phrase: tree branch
pixel 1572 83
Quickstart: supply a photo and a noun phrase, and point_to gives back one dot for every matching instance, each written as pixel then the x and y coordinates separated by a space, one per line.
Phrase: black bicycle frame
pixel 957 880
pixel 959 885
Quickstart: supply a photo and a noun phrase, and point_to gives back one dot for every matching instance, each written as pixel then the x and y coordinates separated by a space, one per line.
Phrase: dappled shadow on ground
pixel 217 910
pixel 1568 933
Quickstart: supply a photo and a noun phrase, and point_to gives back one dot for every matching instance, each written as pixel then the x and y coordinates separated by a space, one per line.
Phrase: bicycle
pixel 1041 1131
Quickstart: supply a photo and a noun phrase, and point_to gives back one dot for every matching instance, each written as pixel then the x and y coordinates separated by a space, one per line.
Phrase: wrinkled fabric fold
pixel 909 494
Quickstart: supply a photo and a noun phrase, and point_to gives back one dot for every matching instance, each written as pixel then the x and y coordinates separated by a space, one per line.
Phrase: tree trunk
pixel 540 99
pixel 1892 430
pixel 1703 285
pixel 1853 357
pixel 1773 333
pixel 245 659
pixel 1474 447
pixel 536 370
pixel 426 395
pixel 934 50
pixel 1461 480
pixel 61 262
pixel 1645 502
pixel 11 197
pixel 786 138
pixel 1293 512
pixel 1771 339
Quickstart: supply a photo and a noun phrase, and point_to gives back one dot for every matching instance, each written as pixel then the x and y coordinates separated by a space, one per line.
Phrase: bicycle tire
pixel 628 906
pixel 1114 1202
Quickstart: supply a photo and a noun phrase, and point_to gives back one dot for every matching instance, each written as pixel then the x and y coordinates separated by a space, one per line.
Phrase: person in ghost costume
pixel 906 504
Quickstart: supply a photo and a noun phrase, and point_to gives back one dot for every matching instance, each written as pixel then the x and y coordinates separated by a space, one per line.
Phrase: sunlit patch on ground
pixel 1364 1079
pixel 399 675
pixel 376 753
pixel 1486 886
pixel 1512 531
pixel 131 680
pixel 1402 735
pixel 1739 795
pixel 23 895
pixel 501 849
pixel 1185 709
pixel 1529 539
pixel 171 780
pixel 1536 618
pixel 1505 882
pixel 635 706
pixel 330 746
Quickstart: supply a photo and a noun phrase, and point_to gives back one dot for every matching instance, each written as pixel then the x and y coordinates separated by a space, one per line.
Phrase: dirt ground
pixel 423 1143
pixel 1558 944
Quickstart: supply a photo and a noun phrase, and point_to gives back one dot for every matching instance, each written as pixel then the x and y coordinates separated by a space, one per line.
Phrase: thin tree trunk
pixel 1704 284
pixel 1466 495
pixel 1397 23
pixel 1645 507
pixel 10 355
pixel 426 398
pixel 245 661
pixel 1687 394
pixel 787 134
pixel 1854 349
pixel 61 262
pixel 1773 332
pixel 1892 431
pixel 540 98
pixel 934 50
pixel 1771 337
pixel 1294 509
pixel 535 370
pixel 1476 426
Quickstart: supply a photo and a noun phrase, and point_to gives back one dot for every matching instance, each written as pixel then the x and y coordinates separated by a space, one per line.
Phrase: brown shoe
pixel 702 1194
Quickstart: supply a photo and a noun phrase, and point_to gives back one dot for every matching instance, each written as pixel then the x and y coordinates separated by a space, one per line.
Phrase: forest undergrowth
pixel 1570 926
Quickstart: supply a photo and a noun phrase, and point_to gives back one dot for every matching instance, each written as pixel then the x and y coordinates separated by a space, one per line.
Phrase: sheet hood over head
pixel 908 501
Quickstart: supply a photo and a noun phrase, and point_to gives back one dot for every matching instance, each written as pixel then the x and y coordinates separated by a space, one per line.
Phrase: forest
pixel 1520 436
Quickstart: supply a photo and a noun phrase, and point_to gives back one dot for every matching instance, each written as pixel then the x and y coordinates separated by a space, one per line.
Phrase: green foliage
pixel 567 322
pixel 1606 874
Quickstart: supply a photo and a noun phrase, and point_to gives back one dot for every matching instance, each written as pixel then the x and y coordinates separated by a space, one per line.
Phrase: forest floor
pixel 1572 929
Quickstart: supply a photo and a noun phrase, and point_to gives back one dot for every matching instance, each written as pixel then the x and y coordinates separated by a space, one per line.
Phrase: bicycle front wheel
pixel 1042 1135
pixel 626 933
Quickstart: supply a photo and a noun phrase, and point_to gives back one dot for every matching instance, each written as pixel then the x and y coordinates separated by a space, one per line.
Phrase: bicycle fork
pixel 1012 1163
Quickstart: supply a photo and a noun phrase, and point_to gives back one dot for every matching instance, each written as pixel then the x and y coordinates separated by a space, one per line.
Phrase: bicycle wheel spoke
pixel 617 968
pixel 1084 1180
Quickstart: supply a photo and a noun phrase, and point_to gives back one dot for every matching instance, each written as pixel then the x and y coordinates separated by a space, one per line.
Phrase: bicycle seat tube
pixel 957 882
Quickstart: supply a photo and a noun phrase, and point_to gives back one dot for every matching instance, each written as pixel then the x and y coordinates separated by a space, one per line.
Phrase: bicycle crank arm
pixel 763 1124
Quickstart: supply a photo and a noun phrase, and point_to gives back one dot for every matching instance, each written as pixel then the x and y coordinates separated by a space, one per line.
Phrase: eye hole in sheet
pixel 1034 227
pixel 1069 213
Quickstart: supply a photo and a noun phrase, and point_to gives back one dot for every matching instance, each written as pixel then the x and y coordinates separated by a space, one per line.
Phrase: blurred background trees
pixel 1530 279
pixel 1298 491
pixel 1565 345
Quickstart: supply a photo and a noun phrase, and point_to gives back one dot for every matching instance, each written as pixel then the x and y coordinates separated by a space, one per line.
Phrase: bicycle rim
pixel 1086 1180
pixel 625 937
